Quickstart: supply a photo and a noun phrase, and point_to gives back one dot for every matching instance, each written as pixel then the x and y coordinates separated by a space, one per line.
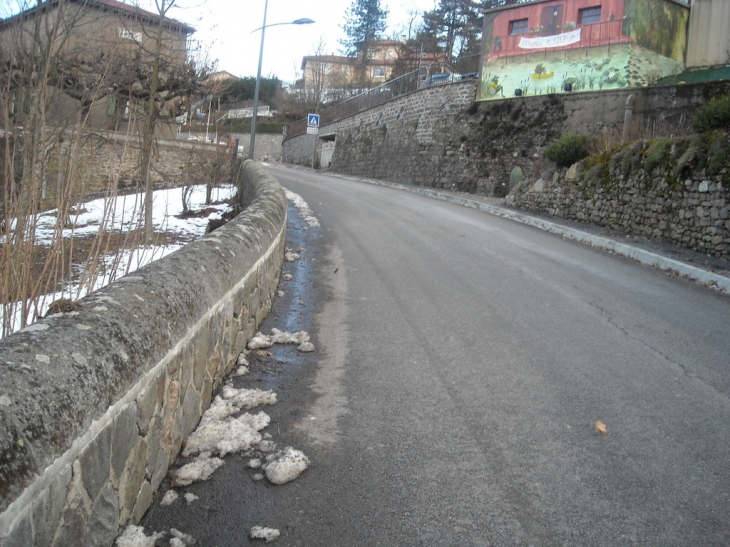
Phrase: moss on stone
pixel 718 154
pixel 657 155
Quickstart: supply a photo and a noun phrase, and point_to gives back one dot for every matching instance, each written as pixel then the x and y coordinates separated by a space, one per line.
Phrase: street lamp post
pixel 258 72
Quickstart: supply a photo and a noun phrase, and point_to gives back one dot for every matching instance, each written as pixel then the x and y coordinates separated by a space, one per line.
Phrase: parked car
pixel 437 79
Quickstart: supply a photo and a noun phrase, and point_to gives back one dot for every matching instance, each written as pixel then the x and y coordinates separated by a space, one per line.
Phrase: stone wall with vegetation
pixel 95 403
pixel 674 189
pixel 438 137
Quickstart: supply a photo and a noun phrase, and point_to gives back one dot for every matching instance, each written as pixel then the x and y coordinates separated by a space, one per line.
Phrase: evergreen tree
pixel 454 27
pixel 365 22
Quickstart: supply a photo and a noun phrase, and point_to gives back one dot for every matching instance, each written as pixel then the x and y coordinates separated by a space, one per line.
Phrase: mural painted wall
pixel 590 45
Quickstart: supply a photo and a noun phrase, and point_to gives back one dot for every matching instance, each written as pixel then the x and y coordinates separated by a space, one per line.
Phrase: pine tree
pixel 365 23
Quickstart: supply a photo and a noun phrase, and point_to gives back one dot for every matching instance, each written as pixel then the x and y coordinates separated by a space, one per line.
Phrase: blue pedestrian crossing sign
pixel 313 120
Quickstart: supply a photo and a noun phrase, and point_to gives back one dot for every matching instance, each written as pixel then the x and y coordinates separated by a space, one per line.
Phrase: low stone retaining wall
pixel 94 404
pixel 676 190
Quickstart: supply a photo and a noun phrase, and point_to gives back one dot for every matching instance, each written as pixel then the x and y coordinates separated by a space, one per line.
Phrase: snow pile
pixel 199 469
pixel 183 539
pixel 190 498
pixel 134 536
pixel 247 398
pixel 291 257
pixel 261 532
pixel 220 433
pixel 285 466
pixel 169 497
pixel 304 210
pixel 300 338
pixel 242 364
pixel 287 277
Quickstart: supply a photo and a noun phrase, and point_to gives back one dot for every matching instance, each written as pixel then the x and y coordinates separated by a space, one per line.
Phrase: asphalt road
pixel 462 363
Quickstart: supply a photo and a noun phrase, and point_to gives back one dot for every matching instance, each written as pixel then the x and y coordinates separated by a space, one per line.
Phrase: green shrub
pixel 713 115
pixel 568 150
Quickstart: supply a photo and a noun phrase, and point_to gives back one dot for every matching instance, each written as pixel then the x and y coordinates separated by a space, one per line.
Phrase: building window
pixel 589 15
pixel 126 34
pixel 345 69
pixel 518 26
pixel 378 72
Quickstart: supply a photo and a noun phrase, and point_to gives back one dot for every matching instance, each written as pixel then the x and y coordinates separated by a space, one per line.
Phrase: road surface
pixel 462 363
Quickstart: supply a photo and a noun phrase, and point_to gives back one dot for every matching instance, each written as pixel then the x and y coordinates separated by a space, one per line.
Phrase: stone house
pixel 102 53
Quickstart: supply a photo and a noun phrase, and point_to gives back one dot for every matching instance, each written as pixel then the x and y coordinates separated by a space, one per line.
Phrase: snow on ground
pixel 304 209
pixel 300 339
pixel 285 466
pixel 169 498
pixel 134 536
pixel 122 213
pixel 220 432
pixel 261 532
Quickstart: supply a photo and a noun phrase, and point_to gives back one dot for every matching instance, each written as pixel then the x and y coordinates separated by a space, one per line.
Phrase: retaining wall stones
pixel 438 137
pixel 676 190
pixel 94 404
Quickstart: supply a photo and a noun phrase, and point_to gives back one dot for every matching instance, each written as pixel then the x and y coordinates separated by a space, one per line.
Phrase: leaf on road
pixel 601 427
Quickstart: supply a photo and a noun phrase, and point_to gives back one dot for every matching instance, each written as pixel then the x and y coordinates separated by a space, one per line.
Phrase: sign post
pixel 313 129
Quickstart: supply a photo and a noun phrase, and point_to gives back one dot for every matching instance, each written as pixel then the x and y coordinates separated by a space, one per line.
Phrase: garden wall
pixel 95 403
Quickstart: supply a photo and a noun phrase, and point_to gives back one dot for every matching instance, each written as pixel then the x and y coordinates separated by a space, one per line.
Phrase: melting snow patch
pixel 169 497
pixel 242 370
pixel 247 398
pixel 291 257
pixel 306 347
pixel 185 539
pixel 254 463
pixel 260 341
pixel 285 466
pixel 303 206
pixel 190 498
pixel 287 277
pixel 226 435
pixel 199 470
pixel 300 338
pixel 134 536
pixel 267 534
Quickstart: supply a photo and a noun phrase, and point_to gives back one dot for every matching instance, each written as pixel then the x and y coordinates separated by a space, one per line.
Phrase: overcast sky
pixel 225 27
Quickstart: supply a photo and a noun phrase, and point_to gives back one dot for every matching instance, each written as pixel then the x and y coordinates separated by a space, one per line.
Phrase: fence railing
pixel 425 76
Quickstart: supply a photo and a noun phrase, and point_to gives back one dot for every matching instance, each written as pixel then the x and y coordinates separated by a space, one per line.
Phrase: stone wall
pixel 438 137
pixel 94 404
pixel 115 159
pixel 677 190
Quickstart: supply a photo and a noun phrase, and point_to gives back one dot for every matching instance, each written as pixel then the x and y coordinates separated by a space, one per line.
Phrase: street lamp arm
pixel 303 21
pixel 262 28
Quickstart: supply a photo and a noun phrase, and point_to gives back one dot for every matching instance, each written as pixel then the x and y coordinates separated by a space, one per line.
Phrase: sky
pixel 225 28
